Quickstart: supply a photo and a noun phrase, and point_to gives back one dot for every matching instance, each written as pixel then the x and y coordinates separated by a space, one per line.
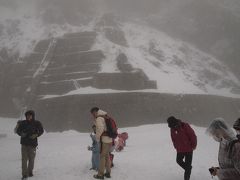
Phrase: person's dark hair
pixel 172 122
pixel 94 109
pixel 171 119
pixel 236 124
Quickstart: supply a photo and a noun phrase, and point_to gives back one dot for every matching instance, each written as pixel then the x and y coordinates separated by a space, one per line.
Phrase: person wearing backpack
pixel 29 130
pixel 105 143
pixel 184 141
pixel 229 151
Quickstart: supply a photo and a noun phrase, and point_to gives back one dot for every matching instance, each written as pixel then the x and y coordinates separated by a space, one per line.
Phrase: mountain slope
pixel 122 66
pixel 176 66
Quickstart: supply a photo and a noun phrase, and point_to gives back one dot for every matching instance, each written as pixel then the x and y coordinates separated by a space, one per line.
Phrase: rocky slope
pixel 138 74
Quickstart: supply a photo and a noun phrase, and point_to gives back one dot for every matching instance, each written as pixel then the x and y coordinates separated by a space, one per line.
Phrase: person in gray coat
pixel 229 152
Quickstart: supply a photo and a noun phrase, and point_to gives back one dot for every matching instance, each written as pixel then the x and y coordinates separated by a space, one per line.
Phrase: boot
pixel 96 176
pixel 24 178
pixel 107 175
pixel 30 174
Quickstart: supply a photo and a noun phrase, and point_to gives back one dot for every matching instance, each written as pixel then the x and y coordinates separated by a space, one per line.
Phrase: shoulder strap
pixel 231 145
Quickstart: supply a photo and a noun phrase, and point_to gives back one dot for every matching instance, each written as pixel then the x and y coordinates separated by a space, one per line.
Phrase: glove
pixel 89 148
pixel 34 136
pixel 213 170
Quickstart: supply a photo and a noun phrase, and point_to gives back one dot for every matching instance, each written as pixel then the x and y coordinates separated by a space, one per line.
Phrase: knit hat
pixel 236 125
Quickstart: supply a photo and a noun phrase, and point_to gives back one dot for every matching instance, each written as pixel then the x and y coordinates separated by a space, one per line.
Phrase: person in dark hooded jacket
pixel 184 141
pixel 29 130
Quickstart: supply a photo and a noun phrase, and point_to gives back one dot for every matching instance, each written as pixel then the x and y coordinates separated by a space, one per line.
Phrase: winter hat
pixel 172 122
pixel 94 109
pixel 236 125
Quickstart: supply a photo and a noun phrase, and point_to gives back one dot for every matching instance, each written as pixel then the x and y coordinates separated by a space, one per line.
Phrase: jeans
pixel 95 160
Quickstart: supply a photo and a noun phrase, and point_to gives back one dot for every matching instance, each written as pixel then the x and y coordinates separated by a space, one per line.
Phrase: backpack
pixel 111 127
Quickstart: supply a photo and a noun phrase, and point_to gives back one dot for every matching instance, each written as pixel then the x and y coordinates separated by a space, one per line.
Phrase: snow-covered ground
pixel 149 154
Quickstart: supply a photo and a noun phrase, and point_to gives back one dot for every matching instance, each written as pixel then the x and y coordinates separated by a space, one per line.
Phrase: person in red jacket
pixel 184 141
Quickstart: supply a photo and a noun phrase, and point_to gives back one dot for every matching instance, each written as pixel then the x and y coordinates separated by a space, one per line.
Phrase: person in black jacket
pixel 29 130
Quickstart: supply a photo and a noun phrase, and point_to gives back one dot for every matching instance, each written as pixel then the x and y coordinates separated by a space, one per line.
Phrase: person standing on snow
pixel 95 150
pixel 184 141
pixel 229 150
pixel 105 143
pixel 29 130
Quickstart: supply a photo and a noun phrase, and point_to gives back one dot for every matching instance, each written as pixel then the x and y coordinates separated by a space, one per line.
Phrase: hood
pixel 236 124
pixel 101 113
pixel 220 124
pixel 31 112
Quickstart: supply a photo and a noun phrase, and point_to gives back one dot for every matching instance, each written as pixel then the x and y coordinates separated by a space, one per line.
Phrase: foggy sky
pixel 68 9
pixel 73 7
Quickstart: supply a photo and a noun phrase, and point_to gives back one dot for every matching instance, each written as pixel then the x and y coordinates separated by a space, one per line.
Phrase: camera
pixel 211 170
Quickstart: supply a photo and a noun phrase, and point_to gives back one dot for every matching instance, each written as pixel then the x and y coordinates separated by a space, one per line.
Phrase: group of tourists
pixel 118 145
pixel 105 139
